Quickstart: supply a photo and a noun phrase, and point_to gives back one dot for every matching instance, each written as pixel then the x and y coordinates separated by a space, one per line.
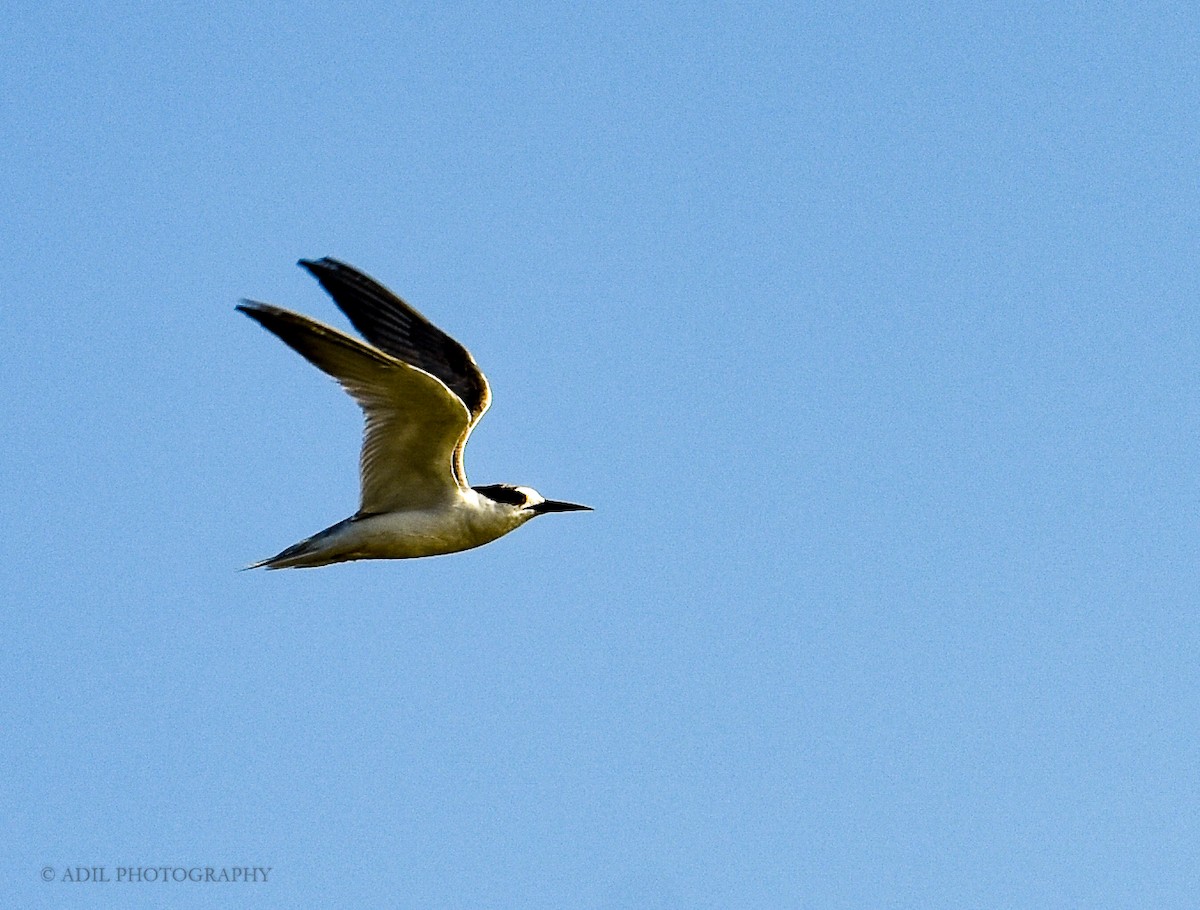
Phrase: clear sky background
pixel 871 334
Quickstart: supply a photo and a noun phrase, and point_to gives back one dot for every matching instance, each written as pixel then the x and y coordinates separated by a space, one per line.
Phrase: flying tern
pixel 421 394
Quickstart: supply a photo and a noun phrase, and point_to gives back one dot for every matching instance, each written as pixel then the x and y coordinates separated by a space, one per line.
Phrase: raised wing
pixel 397 329
pixel 413 422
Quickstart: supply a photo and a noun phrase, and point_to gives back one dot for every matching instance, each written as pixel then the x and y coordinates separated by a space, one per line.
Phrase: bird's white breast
pixel 470 522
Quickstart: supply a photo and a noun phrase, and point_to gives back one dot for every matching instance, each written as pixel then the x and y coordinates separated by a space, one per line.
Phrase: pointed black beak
pixel 551 505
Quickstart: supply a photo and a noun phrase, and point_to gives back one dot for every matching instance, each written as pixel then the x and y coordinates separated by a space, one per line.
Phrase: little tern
pixel 421 394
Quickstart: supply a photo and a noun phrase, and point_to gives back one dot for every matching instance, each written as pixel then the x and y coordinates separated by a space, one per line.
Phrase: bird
pixel 421 394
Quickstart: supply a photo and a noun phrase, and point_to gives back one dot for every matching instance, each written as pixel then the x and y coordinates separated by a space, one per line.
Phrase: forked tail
pixel 307 554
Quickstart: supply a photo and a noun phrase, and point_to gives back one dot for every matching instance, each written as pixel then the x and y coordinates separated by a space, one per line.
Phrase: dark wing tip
pixel 323 266
pixel 260 312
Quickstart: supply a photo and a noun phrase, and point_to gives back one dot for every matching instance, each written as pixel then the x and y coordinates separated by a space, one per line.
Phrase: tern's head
pixel 526 501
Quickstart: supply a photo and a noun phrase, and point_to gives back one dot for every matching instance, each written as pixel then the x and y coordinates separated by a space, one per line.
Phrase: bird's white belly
pixel 404 535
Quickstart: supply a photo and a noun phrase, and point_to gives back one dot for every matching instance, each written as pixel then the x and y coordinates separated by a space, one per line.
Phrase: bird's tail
pixel 307 554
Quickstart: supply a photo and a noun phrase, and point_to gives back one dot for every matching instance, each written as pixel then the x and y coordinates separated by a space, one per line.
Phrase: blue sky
pixel 870 334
